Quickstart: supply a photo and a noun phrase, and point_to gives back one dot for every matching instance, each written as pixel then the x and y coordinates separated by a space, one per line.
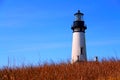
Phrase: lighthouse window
pixel 81 50
pixel 77 29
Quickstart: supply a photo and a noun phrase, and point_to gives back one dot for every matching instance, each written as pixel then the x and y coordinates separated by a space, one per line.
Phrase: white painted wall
pixel 77 43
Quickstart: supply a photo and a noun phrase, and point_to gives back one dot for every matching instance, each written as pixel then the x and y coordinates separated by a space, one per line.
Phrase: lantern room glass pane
pixel 78 17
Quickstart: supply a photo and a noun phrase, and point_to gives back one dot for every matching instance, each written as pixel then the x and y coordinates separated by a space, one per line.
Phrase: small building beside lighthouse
pixel 78 39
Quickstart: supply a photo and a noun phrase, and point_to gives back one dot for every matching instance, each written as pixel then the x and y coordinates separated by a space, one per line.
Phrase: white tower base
pixel 78 47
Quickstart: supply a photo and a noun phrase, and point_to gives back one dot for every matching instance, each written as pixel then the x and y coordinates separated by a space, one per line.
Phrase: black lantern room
pixel 78 24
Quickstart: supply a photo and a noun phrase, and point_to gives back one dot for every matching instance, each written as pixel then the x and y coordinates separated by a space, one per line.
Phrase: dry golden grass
pixel 104 70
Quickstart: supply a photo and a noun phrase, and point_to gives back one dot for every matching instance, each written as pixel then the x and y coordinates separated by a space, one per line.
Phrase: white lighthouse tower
pixel 78 43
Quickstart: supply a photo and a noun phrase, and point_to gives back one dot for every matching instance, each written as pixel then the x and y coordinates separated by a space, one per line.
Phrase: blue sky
pixel 33 31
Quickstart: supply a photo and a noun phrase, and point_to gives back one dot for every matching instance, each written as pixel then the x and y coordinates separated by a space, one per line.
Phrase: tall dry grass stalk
pixel 104 70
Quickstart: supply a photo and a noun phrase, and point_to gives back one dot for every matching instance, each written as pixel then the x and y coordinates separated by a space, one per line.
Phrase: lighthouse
pixel 78 41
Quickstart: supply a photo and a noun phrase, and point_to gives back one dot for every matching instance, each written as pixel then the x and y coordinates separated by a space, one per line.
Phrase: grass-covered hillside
pixel 104 70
